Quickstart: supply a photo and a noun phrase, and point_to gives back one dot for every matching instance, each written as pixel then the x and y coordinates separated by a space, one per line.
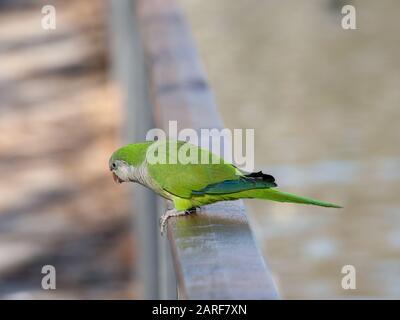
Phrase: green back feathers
pixel 181 179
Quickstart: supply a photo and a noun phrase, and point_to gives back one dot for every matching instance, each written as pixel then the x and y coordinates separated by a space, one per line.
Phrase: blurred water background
pixel 325 106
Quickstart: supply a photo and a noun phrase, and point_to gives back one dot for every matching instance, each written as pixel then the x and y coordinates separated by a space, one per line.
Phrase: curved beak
pixel 116 178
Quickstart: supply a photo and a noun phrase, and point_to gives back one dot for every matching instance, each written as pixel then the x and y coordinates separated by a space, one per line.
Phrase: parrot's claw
pixel 164 218
pixel 170 205
pixel 173 213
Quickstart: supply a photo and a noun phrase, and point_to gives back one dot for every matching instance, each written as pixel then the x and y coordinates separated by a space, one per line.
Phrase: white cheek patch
pixel 125 173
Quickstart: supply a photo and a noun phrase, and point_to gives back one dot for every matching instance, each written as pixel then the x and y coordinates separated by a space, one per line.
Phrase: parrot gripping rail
pixel 211 254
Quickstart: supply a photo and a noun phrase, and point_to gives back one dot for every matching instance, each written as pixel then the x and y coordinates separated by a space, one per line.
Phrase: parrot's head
pixel 125 160
pixel 120 170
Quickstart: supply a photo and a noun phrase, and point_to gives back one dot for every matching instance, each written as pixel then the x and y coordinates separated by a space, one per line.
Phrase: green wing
pixel 182 179
pixel 232 186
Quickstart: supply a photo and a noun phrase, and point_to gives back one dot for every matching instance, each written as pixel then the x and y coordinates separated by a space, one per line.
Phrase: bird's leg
pixel 170 204
pixel 169 213
pixel 174 213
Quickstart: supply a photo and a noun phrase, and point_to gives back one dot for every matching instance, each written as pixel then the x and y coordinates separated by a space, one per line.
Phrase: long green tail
pixel 280 196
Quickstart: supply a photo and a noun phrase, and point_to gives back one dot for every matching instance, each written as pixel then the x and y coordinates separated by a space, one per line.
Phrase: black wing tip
pixel 262 176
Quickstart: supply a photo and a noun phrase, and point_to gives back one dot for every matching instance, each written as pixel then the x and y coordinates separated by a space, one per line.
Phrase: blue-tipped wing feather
pixel 233 186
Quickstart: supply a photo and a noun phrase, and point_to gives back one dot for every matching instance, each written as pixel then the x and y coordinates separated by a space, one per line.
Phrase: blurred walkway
pixel 58 123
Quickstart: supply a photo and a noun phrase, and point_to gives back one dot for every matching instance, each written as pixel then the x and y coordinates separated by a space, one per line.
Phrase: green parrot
pixel 188 186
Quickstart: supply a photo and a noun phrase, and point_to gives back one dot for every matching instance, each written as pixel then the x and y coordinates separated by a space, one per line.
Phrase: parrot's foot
pixel 173 213
pixel 170 204
pixel 168 214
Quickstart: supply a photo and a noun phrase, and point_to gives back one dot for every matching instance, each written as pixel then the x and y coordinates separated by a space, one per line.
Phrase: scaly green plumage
pixel 190 185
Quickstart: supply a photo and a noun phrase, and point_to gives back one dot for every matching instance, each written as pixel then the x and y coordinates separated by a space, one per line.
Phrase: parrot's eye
pixel 113 165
